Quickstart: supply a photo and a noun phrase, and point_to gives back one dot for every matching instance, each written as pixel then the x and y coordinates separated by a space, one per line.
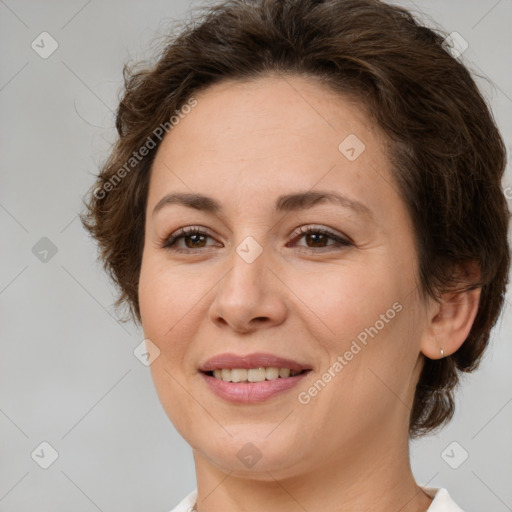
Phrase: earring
pixel 442 353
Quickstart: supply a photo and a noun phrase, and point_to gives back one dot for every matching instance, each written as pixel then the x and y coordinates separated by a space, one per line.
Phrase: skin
pixel 245 144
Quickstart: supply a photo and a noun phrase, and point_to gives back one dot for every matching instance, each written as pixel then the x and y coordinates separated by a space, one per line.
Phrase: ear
pixel 450 319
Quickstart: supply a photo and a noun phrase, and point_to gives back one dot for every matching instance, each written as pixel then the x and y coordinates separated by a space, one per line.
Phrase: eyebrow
pixel 285 203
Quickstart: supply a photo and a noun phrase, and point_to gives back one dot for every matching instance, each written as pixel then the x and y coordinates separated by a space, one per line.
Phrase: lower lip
pixel 251 392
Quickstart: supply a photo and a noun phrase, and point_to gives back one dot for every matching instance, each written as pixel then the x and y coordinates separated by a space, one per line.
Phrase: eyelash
pixel 186 232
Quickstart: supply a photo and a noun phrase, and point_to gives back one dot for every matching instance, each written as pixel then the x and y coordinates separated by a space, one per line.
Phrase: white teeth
pixel 253 374
pixel 284 372
pixel 238 375
pixel 272 373
pixel 256 375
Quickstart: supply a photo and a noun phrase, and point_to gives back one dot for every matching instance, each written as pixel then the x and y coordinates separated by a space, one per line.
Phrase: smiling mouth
pixel 249 375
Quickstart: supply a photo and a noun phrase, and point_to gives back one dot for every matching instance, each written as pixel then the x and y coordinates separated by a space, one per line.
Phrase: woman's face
pixel 255 290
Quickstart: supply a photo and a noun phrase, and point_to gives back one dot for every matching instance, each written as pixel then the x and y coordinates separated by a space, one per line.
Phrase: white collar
pixel 442 502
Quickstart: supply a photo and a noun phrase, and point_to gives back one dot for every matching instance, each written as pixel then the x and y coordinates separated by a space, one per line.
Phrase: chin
pixel 252 452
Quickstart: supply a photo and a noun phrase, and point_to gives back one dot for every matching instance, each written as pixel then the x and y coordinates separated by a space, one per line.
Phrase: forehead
pixel 275 133
pixel 291 106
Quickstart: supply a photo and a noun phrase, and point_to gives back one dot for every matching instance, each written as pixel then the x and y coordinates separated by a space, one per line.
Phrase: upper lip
pixel 255 360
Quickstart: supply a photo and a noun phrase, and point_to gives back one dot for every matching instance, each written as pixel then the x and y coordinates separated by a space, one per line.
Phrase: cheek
pixel 167 304
pixel 167 298
pixel 365 315
pixel 345 300
pixel 376 378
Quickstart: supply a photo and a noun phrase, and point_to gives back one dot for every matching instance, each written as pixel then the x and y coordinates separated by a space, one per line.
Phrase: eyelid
pixel 341 237
pixel 341 240
pixel 183 233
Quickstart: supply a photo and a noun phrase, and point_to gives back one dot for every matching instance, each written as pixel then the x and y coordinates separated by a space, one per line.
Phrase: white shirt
pixel 441 502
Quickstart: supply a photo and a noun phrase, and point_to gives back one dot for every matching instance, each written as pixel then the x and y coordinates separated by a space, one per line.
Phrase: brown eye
pixel 318 238
pixel 192 237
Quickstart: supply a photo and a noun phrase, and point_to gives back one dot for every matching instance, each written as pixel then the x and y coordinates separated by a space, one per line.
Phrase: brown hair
pixel 446 150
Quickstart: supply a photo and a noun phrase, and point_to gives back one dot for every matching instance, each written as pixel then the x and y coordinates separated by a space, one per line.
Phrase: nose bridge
pixel 246 292
pixel 248 268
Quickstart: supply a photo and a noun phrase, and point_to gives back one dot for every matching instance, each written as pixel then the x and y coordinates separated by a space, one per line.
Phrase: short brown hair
pixel 448 156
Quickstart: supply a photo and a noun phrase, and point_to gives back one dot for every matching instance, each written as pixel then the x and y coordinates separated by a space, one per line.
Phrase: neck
pixel 372 475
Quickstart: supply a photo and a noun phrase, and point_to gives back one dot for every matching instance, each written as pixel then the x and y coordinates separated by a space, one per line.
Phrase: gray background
pixel 68 375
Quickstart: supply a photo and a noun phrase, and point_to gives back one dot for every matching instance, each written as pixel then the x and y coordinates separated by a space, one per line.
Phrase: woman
pixel 304 212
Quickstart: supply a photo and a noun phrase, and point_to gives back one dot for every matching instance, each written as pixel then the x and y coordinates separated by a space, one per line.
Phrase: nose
pixel 249 297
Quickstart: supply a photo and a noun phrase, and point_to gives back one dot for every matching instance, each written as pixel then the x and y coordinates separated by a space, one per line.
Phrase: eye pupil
pixel 196 237
pixel 320 237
